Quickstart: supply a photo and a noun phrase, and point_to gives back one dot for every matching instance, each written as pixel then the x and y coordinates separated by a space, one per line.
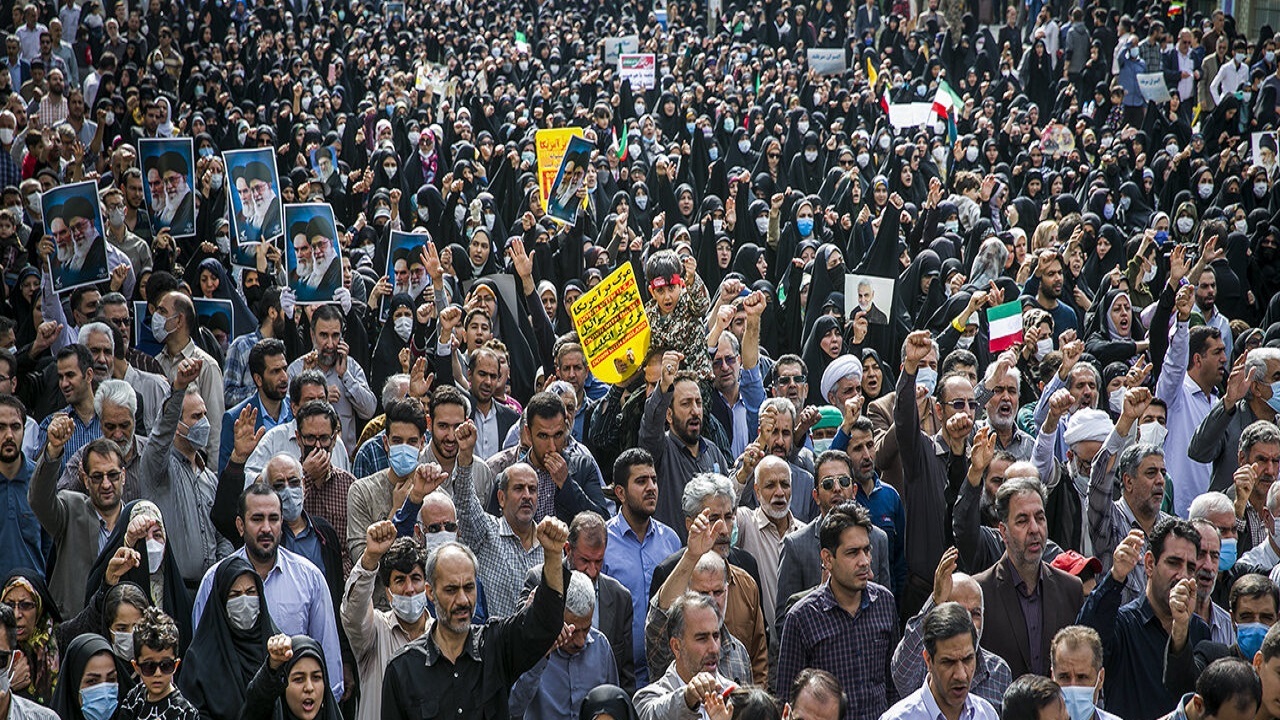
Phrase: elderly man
pixel 1076 665
pixel 557 684
pixel 775 437
pixel 115 404
pixel 991 674
pixel 1068 483
pixel 712 496
pixel 695 629
pixel 760 531
pixel 611 608
pixel 481 662
pixel 998 393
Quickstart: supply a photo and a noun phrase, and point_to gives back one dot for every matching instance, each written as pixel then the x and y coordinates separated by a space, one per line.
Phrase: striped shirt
pixel 503 559
pixel 83 434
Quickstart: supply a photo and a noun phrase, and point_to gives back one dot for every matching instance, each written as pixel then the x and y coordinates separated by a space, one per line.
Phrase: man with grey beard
pixel 998 393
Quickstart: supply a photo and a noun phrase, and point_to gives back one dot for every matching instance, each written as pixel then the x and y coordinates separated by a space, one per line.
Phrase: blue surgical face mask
pixel 804 226
pixel 1274 400
pixel 927 378
pixel 404 458
pixel 1227 556
pixel 1079 701
pixel 1108 210
pixel 1249 638
pixel 290 503
pixel 98 702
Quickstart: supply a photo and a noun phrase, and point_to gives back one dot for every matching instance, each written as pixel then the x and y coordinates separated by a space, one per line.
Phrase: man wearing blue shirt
pixel 23 543
pixel 270 372
pixel 637 542
pixel 296 593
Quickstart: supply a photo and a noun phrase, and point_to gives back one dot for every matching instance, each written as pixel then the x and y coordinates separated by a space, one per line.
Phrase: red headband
pixel 676 279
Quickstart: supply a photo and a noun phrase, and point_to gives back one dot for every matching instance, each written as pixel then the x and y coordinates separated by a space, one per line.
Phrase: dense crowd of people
pixel 965 414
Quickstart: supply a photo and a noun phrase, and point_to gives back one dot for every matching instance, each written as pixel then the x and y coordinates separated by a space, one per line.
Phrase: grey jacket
pixel 800 566
pixel 71 520
pixel 1217 440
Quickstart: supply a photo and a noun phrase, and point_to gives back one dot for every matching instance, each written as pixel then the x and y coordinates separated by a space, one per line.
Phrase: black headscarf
pixel 744 262
pixel 222 660
pixel 888 381
pixel 608 700
pixel 66 697
pixel 921 306
pixel 513 328
pixel 824 282
pixel 305 647
pixel 176 602
pixel 386 351
pixel 815 358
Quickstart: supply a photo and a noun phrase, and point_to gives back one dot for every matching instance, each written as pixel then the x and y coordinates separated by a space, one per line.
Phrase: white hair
pixel 1210 503
pixel 1273 499
pixel 395 388
pixel 117 392
pixel 96 327
pixel 991 373
pixel 703 486
pixel 580 595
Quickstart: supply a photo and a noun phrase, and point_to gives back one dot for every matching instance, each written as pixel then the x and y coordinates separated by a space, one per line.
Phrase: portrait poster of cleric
pixel 315 270
pixel 404 267
pixel 168 170
pixel 75 222
pixel 255 205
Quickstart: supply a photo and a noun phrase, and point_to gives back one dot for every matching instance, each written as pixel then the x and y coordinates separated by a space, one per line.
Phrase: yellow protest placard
pixel 612 326
pixel 552 144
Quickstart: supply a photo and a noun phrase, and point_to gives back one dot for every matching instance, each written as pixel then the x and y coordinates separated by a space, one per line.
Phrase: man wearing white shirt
pixel 1231 75
pixel 695 626
pixel 951 656
pixel 304 387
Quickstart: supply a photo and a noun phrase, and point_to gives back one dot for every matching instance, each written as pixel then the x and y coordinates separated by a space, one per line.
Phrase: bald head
pixel 968 593
pixel 281 467
pixel 437 508
pixel 1022 469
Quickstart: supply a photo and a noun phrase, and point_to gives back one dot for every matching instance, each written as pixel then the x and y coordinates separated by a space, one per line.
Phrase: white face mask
pixel 810 155
pixel 951 226
pixel 1149 275
pixel 642 201
pixel 864 158
pixel 243 612
pixel 1242 226
pixel 1152 432
pixel 1205 189
pixel 1171 148
pixel 413 138
pixel 1184 224
pixel 404 327
pixel 964 342
pixel 971 153
pixel 122 645
pixel 1043 347
pixel 940 155
pixel 717 225
pixel 409 608
pixel 802 126
pixel 762 225
pixel 884 142
pixel 155 555
pixel 1116 399
pixel 6 135
pixel 744 146
pixel 431 541
pixel 1259 189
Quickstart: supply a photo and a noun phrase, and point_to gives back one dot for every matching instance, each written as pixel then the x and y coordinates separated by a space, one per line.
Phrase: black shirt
pixel 421 683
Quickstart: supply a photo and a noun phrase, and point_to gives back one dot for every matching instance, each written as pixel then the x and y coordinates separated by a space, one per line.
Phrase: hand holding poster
pixel 315 270
pixel 74 218
pixel 405 271
pixel 1264 147
pixel 218 316
pixel 551 145
pixel 827 61
pixel 640 68
pixel 564 203
pixel 872 296
pixel 612 326
pixel 255 201
pixel 1153 87
pixel 169 172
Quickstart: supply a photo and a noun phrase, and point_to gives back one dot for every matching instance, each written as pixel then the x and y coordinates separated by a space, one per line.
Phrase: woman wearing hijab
pixel 92 680
pixel 828 277
pixel 511 325
pixel 607 701
pixel 395 335
pixel 1232 275
pixel 23 299
pixel 293 683
pixel 876 377
pixel 38 617
pixel 1105 255
pixel 230 643
pixel 223 288
pixel 1112 330
pixel 1036 74
pixel 158 574
pixel 1134 213
pixel 918 289
pixel 824 344
pixel 750 263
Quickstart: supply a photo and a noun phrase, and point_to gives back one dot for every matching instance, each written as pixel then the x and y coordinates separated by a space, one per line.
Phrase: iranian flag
pixel 1004 324
pixel 946 104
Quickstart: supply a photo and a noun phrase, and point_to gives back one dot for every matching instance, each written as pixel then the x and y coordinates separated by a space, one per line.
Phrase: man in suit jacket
pixel 800 565
pixel 1007 585
pixel 493 419
pixel 585 553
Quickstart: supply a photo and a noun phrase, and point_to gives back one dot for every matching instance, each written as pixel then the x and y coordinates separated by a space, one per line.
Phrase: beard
pixel 173 203
pixel 160 204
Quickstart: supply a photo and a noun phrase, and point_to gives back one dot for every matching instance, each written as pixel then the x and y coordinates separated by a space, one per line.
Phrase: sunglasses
pixel 791 379
pixel 774 156
pixel 961 405
pixel 149 667
pixel 434 528
pixel 829 483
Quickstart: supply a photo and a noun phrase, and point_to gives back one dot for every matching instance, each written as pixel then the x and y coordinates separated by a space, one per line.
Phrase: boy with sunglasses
pixel 155 659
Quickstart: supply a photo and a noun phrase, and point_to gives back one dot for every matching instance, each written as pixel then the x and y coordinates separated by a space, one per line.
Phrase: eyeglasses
pixel 829 483
pixel 112 476
pixel 282 483
pixel 774 156
pixel 433 528
pixel 321 440
pixel 961 405
pixel 727 361
pixel 25 606
pixel 149 667
pixel 791 379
